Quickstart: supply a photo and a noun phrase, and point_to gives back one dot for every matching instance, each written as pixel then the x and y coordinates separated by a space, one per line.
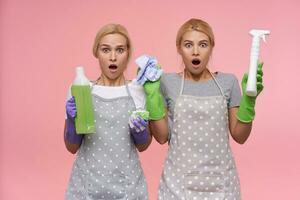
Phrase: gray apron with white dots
pixel 107 165
pixel 199 163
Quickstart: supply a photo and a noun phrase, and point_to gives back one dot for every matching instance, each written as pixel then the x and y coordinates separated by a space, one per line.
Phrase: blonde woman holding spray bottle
pixel 107 164
pixel 204 108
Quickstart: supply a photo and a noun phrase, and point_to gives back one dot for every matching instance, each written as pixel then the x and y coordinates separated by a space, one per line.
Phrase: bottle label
pixel 84 120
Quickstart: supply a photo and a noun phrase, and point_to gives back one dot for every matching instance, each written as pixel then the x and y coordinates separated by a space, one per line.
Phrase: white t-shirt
pixel 110 92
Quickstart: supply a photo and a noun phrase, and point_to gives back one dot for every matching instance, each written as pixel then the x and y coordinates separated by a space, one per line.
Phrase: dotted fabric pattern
pixel 199 162
pixel 107 165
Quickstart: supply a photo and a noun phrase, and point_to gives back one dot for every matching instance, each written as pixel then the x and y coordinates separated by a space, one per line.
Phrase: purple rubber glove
pixel 70 133
pixel 138 130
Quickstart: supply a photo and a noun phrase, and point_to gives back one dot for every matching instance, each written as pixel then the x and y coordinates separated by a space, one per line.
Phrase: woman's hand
pixel 246 112
pixel 71 108
pixel 138 129
pixel 149 73
pixel 70 131
pixel 154 100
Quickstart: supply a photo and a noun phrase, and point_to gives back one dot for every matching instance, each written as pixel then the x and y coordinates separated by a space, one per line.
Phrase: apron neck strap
pixel 217 83
pixel 127 89
pixel 182 84
pixel 129 93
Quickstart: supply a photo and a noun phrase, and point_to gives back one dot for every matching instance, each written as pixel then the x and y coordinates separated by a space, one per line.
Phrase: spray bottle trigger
pixel 263 37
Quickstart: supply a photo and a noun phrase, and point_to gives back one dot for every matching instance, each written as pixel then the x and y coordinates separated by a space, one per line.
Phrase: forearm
pixel 241 132
pixel 143 147
pixel 159 129
pixel 71 146
pixel 240 118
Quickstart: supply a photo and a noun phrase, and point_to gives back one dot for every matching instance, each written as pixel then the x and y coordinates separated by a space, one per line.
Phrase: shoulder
pixel 226 78
pixel 172 75
pixel 169 78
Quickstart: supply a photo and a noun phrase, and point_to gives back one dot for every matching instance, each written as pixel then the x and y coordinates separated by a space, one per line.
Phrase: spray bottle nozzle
pixel 260 33
pixel 264 38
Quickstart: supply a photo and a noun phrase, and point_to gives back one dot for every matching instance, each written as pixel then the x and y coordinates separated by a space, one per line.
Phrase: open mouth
pixel 196 61
pixel 113 67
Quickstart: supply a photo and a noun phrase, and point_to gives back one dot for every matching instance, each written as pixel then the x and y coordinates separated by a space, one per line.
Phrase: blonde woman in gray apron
pixel 203 108
pixel 107 164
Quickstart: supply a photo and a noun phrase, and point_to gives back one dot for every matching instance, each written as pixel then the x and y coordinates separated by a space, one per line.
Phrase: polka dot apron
pixel 107 165
pixel 199 163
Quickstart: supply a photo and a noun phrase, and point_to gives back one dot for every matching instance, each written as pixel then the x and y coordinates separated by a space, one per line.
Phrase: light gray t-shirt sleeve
pixel 235 95
pixel 163 88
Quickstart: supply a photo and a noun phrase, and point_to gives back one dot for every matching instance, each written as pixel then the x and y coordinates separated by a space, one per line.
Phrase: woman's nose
pixel 195 51
pixel 113 56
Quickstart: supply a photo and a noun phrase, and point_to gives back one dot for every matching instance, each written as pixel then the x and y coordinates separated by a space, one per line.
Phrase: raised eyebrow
pixel 108 46
pixel 203 41
pixel 104 45
pixel 120 46
pixel 188 41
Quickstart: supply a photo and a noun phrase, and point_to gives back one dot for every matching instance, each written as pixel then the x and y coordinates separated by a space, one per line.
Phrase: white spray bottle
pixel 254 54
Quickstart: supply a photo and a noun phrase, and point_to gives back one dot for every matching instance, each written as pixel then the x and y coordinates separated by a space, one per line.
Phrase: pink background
pixel 42 41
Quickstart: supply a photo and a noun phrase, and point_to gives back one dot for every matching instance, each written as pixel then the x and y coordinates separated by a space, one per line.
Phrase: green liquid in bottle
pixel 84 120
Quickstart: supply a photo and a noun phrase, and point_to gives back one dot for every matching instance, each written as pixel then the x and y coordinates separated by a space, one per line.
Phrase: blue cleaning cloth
pixel 148 69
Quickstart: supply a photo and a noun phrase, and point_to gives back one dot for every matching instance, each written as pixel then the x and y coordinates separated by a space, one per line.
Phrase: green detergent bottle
pixel 81 90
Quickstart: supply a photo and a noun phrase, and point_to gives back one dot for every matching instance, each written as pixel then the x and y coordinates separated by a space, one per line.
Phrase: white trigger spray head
pixel 264 38
pixel 259 33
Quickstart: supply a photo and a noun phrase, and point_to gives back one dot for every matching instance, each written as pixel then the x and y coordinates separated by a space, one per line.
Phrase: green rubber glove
pixel 246 112
pixel 154 100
